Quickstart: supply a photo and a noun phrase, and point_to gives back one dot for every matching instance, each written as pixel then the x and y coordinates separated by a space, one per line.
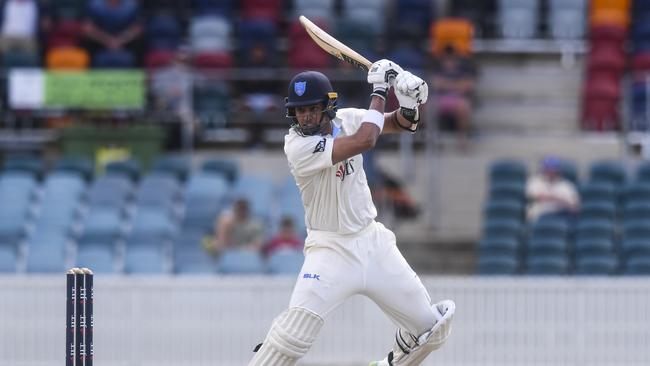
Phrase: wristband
pixel 375 117
pixel 381 93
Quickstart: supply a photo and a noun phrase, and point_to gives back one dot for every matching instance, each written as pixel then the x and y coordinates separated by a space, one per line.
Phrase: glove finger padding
pixel 408 84
pixel 381 75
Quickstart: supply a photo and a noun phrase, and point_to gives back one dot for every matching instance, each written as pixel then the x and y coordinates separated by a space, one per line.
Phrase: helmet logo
pixel 299 87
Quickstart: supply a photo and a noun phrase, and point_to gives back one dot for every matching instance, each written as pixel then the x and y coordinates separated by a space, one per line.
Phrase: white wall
pixel 217 320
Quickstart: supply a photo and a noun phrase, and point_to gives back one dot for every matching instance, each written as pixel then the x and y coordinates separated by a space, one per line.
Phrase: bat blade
pixel 333 46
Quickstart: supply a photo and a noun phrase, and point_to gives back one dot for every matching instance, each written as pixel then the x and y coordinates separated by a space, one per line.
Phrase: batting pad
pixel 410 350
pixel 290 337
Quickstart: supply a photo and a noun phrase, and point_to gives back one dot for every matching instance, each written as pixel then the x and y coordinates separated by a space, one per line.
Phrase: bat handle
pixel 390 77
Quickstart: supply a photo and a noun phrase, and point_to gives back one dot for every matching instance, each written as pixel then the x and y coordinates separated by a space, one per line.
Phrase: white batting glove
pixel 381 75
pixel 410 90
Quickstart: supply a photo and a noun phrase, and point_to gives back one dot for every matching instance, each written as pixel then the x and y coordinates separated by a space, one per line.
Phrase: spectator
pixel 236 229
pixel 113 25
pixel 453 83
pixel 171 87
pixel 22 20
pixel 549 193
pixel 285 238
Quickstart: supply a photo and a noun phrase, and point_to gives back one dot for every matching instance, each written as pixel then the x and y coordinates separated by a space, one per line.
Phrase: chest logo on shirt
pixel 345 168
pixel 320 146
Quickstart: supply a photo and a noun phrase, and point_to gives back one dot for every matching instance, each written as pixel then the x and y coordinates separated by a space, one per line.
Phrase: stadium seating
pixel 240 262
pixel 67 58
pixel 567 19
pixel 518 19
pixel 454 32
pixel 285 262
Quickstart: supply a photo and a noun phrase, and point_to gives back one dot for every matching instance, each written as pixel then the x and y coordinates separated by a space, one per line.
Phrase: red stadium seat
pixel 600 109
pixel 262 9
pixel 213 60
pixel 608 32
pixel 606 56
pixel 303 52
pixel 64 33
pixel 641 62
pixel 158 58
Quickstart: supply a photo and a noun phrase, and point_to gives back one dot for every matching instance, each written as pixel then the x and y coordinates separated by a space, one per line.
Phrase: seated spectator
pixel 113 25
pixel 22 21
pixel 285 238
pixel 453 86
pixel 549 193
pixel 237 229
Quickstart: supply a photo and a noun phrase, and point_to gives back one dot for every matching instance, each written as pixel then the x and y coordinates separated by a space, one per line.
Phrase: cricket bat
pixel 333 46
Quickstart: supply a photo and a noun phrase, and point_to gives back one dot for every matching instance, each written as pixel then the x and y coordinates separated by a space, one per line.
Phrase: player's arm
pixel 411 92
pixel 373 121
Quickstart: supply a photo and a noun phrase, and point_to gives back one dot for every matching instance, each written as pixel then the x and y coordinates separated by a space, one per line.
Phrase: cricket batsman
pixel 347 252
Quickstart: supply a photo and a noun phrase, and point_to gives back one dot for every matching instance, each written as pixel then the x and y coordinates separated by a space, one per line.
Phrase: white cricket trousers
pixel 367 263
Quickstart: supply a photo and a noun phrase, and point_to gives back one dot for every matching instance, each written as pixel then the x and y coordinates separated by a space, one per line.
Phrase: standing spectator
pixel 171 87
pixel 113 25
pixel 453 84
pixel 285 238
pixel 237 229
pixel 550 193
pixel 22 20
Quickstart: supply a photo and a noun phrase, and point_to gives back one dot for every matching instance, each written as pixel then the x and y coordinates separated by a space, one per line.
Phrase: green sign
pixel 96 89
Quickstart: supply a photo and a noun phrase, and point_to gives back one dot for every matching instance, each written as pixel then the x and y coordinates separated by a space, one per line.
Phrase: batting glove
pixel 411 90
pixel 381 74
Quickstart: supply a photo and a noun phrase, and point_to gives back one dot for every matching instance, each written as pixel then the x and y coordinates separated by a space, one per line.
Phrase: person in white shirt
pixel 550 193
pixel 21 22
pixel 346 251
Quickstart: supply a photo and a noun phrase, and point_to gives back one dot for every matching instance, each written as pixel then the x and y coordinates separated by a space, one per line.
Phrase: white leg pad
pixel 290 337
pixel 410 350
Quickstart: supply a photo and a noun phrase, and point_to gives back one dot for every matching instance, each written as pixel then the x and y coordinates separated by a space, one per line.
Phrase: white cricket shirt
pixel 336 197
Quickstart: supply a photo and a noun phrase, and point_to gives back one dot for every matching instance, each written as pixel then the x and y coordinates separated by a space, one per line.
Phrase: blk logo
pixel 311 276
pixel 346 168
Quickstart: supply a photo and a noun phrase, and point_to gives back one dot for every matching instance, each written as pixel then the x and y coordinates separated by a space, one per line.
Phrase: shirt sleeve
pixel 310 154
pixel 351 119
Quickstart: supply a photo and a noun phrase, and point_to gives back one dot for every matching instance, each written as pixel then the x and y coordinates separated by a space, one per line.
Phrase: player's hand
pixel 381 74
pixel 410 90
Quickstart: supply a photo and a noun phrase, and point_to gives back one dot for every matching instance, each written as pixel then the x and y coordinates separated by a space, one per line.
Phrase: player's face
pixel 309 115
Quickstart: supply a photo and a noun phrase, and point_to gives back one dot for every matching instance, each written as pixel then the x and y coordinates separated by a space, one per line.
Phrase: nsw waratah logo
pixel 299 87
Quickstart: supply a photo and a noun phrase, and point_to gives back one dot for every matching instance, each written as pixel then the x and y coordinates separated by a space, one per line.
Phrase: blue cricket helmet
pixel 309 88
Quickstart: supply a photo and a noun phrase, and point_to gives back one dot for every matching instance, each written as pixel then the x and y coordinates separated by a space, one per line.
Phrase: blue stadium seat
pixel 567 19
pixel 114 59
pixel 159 191
pixel 598 191
pixel 227 168
pixel 24 163
pixel 505 245
pixel 315 9
pixel 213 7
pixel 8 259
pixel 547 265
pixel 46 259
pixel 285 261
pixel 636 210
pixel 596 264
pixel 639 265
pixel 240 262
pixel 144 260
pixel 508 170
pixel 258 190
pixel 102 225
pixel 205 196
pixel 409 57
pixel 637 191
pixel 189 257
pixel 498 264
pixel 605 210
pixel 594 236
pixel 76 165
pixel 507 190
pixel 257 32
pixel 502 228
pixel 611 171
pixel 110 191
pixel 176 166
pixel 97 256
pixel 129 169
pixel 290 204
pixel 163 31
pixel 151 226
pixel 504 209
